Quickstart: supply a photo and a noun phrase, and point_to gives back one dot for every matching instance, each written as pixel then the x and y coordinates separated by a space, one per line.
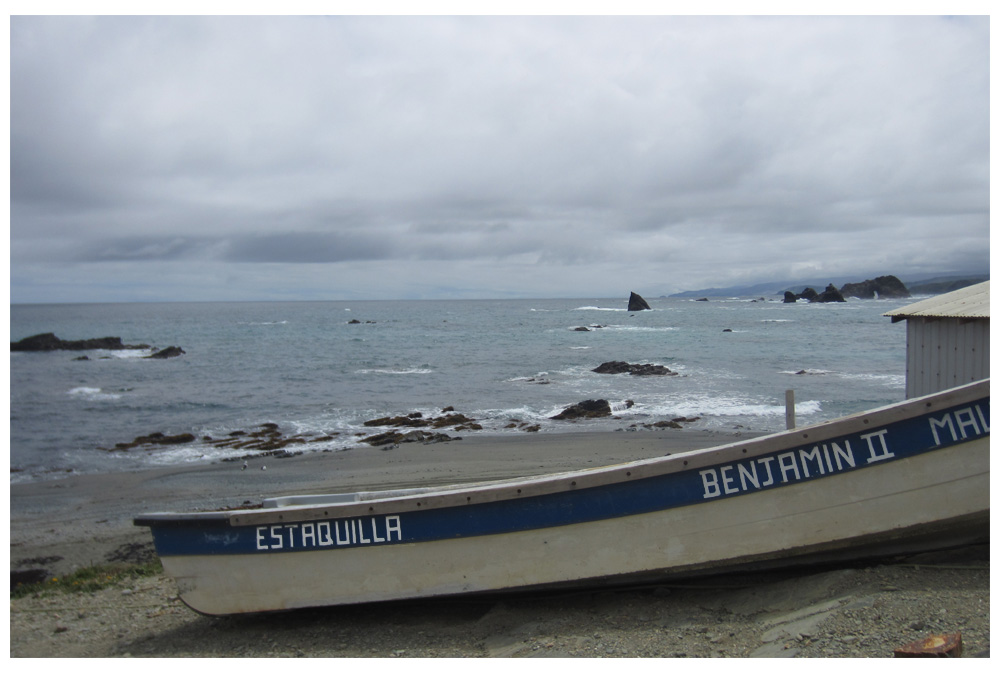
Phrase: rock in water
pixel 883 287
pixel 637 303
pixel 168 352
pixel 830 294
pixel 616 367
pixel 50 342
pixel 585 409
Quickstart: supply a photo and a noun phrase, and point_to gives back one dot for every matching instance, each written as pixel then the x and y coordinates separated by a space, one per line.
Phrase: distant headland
pixel 917 285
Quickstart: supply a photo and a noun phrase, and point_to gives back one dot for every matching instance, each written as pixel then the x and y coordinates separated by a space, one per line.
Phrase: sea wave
pixel 720 406
pixel 93 394
pixel 397 372
pixel 126 353
pixel 639 328
pixel 889 380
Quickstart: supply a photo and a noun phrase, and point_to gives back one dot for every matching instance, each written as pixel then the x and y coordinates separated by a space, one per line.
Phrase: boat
pixel 904 477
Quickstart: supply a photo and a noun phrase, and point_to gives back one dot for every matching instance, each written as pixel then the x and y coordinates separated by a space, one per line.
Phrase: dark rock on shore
pixel 268 440
pixel 637 303
pixel 417 420
pixel 674 423
pixel 883 287
pixel 50 342
pixel 616 367
pixel 394 438
pixel 28 576
pixel 153 439
pixel 585 409
pixel 449 419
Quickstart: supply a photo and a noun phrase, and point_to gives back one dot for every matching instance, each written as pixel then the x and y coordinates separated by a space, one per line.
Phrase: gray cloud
pixel 515 155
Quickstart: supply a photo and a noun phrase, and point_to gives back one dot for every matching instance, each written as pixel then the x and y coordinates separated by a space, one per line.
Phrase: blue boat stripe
pixel 803 463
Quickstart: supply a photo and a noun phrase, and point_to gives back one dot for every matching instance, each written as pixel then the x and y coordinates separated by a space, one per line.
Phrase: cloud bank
pixel 204 158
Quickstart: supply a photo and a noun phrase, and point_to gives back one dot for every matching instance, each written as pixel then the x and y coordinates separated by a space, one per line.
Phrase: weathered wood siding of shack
pixel 947 340
pixel 942 353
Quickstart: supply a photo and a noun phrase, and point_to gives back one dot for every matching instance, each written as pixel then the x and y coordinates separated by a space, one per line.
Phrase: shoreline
pixel 83 518
pixel 845 610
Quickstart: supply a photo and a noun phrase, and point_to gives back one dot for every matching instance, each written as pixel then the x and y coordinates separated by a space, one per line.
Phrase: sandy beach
pixel 856 610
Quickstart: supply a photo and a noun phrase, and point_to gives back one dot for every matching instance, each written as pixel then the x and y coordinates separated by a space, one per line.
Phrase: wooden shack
pixel 947 340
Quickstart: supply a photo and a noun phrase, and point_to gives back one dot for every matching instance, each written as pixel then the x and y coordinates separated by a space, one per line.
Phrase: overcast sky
pixel 226 158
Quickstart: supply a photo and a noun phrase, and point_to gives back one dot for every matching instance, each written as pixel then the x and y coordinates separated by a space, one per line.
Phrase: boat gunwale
pixel 472 493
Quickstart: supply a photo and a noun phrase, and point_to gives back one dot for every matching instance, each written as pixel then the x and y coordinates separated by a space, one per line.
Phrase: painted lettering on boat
pixel 338 533
pixel 798 464
pixel 959 424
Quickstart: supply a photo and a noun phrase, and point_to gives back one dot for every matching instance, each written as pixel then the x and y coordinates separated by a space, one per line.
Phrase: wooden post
pixel 789 409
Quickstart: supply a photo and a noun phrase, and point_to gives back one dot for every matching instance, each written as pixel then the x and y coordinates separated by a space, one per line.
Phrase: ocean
pixel 321 369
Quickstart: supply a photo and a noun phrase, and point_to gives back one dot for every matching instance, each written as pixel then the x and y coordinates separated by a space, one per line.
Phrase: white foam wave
pixel 721 406
pixel 93 394
pixel 397 372
pixel 598 308
pixel 127 353
pixel 639 328
pixel 890 380
pixel 540 376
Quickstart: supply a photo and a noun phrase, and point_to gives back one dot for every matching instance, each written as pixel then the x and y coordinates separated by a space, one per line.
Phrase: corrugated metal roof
pixel 969 302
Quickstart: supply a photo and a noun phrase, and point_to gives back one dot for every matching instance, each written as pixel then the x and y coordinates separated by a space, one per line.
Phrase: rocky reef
pixel 830 294
pixel 585 409
pixel 883 287
pixel 41 343
pixel 50 342
pixel 617 367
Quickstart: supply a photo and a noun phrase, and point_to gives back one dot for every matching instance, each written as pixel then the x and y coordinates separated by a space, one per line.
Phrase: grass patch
pixel 89 579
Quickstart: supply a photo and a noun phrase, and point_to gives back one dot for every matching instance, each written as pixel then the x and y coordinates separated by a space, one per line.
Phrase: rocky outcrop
pixel 637 303
pixel 830 294
pixel 168 352
pixel 153 439
pixel 266 440
pixel 883 287
pixel 585 409
pixel 50 342
pixel 616 367
pixel 393 438
pixel 417 420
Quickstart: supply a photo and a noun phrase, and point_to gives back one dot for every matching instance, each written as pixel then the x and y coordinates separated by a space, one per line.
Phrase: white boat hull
pixel 934 497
